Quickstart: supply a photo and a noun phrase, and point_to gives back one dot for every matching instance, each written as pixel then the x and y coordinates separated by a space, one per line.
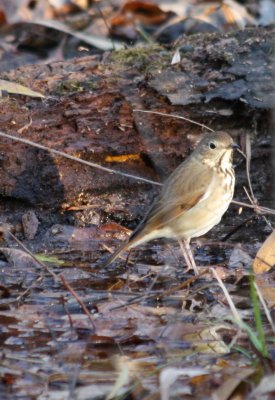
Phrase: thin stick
pixel 267 312
pixel 160 294
pixel 32 286
pixel 227 296
pixel 30 253
pixel 264 210
pixel 183 285
pixel 252 201
pixel 63 302
pixel 173 116
pixel 106 23
pixel 78 299
pixel 241 152
pixel 90 164
pixel 248 162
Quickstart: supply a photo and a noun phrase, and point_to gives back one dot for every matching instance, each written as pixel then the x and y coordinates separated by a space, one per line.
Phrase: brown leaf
pixel 227 388
pixel 122 158
pixel 3 20
pixel 265 258
pixel 265 284
pixel 139 12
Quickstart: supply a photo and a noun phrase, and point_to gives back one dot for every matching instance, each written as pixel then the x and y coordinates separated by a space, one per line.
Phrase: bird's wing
pixel 192 186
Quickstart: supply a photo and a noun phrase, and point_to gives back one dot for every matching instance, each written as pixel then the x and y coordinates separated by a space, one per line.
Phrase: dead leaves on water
pixel 151 334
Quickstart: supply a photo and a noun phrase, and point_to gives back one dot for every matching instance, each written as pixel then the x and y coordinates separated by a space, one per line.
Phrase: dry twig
pixel 174 116
pixel 78 299
pixel 30 253
pixel 90 164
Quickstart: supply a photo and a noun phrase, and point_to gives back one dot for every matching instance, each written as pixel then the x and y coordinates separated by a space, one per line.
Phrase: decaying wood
pixel 223 81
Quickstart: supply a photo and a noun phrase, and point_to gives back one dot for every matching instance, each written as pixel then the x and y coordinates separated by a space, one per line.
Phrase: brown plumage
pixel 193 198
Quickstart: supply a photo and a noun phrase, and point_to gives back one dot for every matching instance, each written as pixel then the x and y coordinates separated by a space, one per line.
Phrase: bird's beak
pixel 234 146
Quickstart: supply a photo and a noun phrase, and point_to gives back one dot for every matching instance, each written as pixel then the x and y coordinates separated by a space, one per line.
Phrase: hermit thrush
pixel 193 199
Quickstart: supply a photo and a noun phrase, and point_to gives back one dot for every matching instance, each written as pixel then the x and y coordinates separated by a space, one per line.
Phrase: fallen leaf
pixel 208 340
pixel 122 379
pixel 19 258
pixel 176 57
pixel 265 258
pixel 139 12
pixel 239 258
pixel 265 388
pixel 265 283
pixel 49 259
pixel 169 375
pixel 227 388
pixel 16 88
pixel 122 158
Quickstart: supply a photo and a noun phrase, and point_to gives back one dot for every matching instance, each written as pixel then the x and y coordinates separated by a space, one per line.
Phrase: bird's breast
pixel 207 213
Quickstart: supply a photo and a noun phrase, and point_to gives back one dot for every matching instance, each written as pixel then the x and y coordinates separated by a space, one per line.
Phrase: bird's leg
pixel 185 255
pixel 191 257
pixel 188 256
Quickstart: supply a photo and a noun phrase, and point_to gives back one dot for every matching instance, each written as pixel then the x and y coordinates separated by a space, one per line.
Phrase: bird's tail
pixel 136 238
pixel 125 246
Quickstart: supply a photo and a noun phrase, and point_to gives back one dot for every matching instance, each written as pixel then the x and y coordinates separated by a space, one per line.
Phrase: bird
pixel 193 199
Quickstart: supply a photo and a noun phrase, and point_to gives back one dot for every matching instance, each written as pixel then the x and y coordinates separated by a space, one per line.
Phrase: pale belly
pixel 199 219
pixel 202 217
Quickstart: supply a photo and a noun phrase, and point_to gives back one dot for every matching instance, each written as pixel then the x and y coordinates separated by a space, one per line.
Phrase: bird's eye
pixel 212 145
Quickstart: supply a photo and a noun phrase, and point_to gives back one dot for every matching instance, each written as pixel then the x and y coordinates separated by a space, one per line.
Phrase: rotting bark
pixel 223 81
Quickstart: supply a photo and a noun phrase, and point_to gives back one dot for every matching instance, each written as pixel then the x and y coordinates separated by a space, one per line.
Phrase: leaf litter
pixel 149 338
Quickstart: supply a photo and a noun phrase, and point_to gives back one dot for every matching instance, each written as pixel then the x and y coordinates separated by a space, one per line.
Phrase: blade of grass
pixel 250 333
pixel 256 339
pixel 243 351
pixel 257 315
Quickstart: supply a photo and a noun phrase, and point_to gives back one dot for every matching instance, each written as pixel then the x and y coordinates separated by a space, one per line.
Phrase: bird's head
pixel 215 149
